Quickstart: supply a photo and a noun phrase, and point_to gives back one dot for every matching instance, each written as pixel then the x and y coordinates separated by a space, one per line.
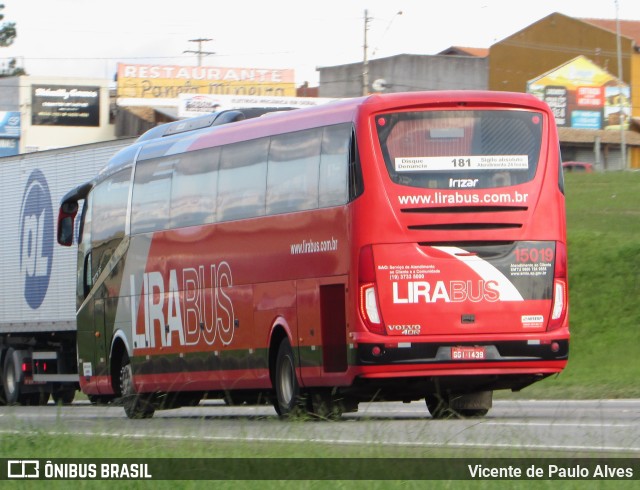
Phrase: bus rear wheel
pixel 287 401
pixel 136 406
pixel 447 405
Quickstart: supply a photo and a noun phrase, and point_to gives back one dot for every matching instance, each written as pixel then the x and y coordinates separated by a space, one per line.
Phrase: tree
pixel 8 34
pixel 7 31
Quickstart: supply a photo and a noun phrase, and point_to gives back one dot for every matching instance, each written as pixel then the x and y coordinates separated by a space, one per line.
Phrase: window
pixel 292 179
pixel 151 191
pixel 242 180
pixel 334 165
pixel 439 149
pixel 109 208
pixel 194 188
pixel 280 174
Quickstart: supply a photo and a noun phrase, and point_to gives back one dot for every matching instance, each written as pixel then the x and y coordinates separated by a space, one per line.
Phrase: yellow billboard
pixel 584 96
pixel 169 81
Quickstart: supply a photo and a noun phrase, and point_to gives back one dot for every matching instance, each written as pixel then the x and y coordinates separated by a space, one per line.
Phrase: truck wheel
pixel 64 397
pixel 10 380
pixel 135 406
pixel 34 399
pixel 287 401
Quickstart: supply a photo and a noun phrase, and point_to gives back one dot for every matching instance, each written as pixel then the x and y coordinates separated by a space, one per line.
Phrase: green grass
pixel 603 234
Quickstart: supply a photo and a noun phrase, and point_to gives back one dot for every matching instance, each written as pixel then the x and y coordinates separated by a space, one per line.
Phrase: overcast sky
pixel 87 38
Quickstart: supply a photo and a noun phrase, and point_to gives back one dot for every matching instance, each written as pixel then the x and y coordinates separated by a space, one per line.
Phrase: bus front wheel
pixel 136 406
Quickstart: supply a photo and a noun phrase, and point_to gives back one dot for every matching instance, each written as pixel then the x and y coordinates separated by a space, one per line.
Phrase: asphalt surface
pixel 593 427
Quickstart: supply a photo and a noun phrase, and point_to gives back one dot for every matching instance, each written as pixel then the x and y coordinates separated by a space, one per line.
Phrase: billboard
pixel 9 147
pixel 168 82
pixel 9 133
pixel 65 105
pixel 10 124
pixel 584 96
pixel 190 105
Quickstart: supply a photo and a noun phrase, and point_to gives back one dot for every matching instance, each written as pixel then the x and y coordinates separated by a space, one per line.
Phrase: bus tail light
pixel 368 299
pixel 560 305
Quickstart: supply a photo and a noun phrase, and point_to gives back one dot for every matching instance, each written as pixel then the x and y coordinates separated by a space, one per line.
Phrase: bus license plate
pixel 468 353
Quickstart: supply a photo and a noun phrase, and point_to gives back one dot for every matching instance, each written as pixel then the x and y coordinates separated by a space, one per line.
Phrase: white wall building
pixel 57 112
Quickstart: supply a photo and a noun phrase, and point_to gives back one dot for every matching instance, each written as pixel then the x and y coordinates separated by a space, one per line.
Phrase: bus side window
pixel 292 178
pixel 87 280
pixel 335 160
pixel 242 180
pixel 84 250
pixel 194 187
pixel 151 191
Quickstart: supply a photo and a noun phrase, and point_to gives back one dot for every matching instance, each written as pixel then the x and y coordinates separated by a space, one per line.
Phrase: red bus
pixel 391 247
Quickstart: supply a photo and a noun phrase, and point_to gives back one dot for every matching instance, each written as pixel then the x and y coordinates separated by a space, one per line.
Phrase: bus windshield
pixel 435 149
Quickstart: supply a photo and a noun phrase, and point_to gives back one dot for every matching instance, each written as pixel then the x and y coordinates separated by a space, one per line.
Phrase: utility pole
pixel 199 52
pixel 623 146
pixel 365 60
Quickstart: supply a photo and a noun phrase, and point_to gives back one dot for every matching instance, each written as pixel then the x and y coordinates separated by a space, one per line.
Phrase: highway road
pixel 592 427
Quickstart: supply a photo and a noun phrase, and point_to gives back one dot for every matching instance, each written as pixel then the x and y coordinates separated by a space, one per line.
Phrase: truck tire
pixel 10 381
pixel 64 397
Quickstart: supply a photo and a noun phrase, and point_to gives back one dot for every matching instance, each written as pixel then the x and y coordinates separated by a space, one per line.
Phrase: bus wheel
pixel 446 406
pixel 287 401
pixel 135 406
pixel 473 405
pixel 439 406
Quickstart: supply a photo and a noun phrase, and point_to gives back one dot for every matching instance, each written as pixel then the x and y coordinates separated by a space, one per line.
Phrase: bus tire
pixel 10 380
pixel 287 401
pixel 446 406
pixel 473 405
pixel 439 406
pixel 136 406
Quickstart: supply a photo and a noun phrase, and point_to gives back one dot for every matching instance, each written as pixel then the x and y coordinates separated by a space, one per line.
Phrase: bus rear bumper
pixel 411 370
pixel 464 355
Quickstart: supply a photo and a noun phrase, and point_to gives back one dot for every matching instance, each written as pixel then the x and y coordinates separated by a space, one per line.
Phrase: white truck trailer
pixel 38 278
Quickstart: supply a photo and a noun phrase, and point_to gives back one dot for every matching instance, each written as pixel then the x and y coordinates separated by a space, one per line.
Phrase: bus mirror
pixel 65 231
pixel 66 217
pixel 69 207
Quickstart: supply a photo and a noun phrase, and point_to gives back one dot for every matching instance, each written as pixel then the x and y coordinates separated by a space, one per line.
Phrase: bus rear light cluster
pixel 368 299
pixel 560 289
pixel 369 309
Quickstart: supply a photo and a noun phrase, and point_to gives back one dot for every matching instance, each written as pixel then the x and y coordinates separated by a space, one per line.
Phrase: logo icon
pixel 23 468
pixel 36 239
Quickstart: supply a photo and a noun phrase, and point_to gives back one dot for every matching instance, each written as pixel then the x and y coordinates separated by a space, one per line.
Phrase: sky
pixel 88 38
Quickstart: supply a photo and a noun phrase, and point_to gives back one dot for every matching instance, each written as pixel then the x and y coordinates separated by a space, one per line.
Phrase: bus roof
pixel 214 129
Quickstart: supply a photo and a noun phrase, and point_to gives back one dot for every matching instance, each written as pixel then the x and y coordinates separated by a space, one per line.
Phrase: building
pixel 553 41
pixel 509 65
pixel 54 112
pixel 406 73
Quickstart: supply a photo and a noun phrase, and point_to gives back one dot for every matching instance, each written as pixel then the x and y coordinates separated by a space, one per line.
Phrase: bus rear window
pixel 440 149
